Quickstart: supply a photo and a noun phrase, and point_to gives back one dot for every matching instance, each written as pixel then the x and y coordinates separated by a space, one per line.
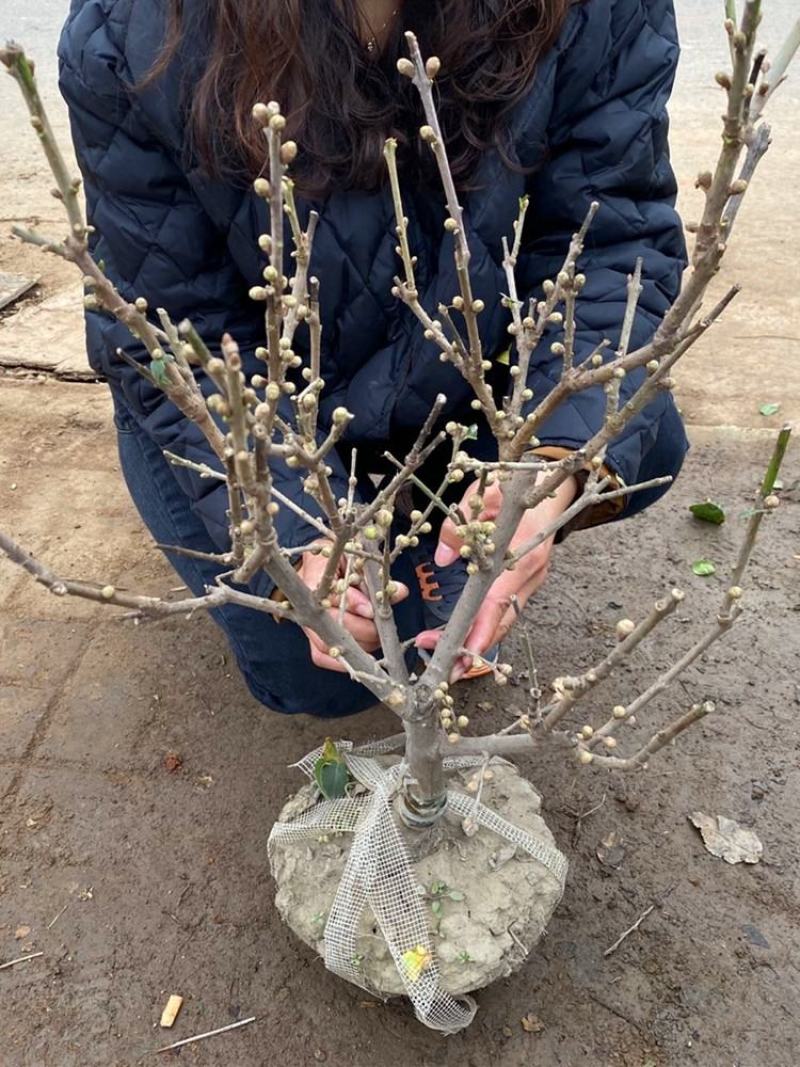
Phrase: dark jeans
pixel 274 658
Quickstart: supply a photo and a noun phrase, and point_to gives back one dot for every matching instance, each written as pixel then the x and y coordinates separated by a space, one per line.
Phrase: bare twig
pixel 20 959
pixel 202 1037
pixel 629 931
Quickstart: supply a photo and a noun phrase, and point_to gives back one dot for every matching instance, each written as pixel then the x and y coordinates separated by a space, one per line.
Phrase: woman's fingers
pixel 358 618
pixel 428 639
pixel 497 613
pixel 319 653
pixel 449 546
pixel 357 602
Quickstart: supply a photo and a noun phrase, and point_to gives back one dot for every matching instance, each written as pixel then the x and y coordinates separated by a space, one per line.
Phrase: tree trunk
pixel 425 792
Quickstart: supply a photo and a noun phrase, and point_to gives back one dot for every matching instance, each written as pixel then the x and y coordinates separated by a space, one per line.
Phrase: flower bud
pixel 261 113
pixel 288 152
pixel 433 66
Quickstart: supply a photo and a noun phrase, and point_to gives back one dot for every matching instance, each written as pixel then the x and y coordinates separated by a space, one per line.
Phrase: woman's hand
pixel 496 615
pixel 358 617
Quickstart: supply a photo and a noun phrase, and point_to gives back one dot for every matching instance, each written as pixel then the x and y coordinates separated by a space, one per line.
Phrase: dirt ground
pixel 136 880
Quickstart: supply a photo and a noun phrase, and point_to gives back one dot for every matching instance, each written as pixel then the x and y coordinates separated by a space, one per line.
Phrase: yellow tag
pixel 504 357
pixel 416 960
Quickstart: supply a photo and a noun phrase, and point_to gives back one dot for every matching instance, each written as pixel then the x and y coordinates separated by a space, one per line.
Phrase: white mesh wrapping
pixel 379 875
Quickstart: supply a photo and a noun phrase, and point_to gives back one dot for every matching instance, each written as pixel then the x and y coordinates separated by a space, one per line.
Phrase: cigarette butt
pixel 170 1012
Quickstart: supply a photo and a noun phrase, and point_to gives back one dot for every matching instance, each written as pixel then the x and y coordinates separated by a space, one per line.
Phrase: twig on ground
pixel 629 931
pixel 202 1037
pixel 55 918
pixel 20 959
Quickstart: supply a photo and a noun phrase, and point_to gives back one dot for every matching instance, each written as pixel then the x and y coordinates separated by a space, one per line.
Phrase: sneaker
pixel 440 588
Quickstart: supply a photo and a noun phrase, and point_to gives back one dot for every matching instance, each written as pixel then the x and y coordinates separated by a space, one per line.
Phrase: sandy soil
pixel 137 881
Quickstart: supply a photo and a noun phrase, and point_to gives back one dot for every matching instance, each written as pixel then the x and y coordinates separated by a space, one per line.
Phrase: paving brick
pixel 21 711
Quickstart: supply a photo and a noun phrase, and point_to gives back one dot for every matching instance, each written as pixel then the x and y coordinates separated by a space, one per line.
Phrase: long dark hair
pixel 341 101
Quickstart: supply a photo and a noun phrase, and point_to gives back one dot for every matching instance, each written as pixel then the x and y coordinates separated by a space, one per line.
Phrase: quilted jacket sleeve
pixel 155 240
pixel 609 143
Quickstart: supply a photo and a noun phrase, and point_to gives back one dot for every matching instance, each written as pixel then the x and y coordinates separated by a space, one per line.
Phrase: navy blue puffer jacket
pixel 187 243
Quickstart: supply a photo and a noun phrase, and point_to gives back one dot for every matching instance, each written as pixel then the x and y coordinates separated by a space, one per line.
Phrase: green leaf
pixel 708 511
pixel 456 894
pixel 330 772
pixel 332 779
pixel 703 567
pixel 472 432
pixel 436 907
pixel 769 409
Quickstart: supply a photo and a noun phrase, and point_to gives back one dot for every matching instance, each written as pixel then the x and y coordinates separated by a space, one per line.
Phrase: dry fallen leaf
pixel 531 1023
pixel 726 839
pixel 172 762
pixel 21 931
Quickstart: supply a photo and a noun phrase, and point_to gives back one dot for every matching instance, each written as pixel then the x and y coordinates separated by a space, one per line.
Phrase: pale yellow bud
pixel 433 66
